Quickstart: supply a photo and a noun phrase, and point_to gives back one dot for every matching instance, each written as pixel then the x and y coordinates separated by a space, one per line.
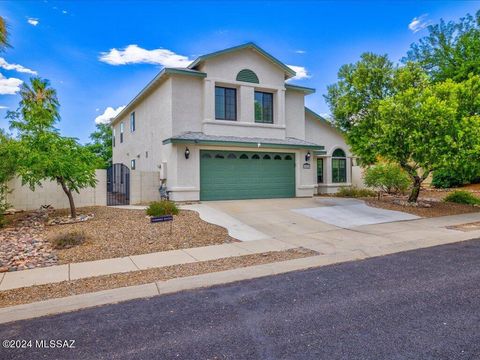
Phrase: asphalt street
pixel 422 304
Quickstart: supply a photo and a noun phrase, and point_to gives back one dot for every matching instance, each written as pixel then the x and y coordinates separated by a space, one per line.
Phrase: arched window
pixel 277 157
pixel 231 156
pixel 206 156
pixel 288 157
pixel 339 166
pixel 247 75
pixel 339 153
pixel 244 156
pixel 266 157
pixel 219 156
pixel 256 157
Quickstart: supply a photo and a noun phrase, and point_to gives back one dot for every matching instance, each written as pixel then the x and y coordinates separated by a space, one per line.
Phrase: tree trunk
pixel 68 192
pixel 417 183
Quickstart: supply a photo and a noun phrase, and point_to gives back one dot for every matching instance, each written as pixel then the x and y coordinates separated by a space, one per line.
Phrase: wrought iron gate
pixel 118 185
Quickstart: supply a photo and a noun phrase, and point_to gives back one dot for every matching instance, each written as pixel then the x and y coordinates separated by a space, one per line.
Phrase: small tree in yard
pixel 387 177
pixel 8 156
pixel 44 154
pixel 102 143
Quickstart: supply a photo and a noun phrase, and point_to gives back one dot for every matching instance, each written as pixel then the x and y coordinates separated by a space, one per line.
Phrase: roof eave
pixel 304 89
pixel 289 73
pixel 241 144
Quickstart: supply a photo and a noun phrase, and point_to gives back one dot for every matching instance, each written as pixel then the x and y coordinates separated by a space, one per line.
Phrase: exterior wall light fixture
pixel 187 153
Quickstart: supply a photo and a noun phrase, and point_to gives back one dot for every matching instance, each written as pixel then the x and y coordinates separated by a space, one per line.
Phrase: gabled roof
pixel 163 74
pixel 250 45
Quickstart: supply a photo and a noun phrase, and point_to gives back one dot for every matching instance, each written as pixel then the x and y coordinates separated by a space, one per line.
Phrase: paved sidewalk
pixel 75 271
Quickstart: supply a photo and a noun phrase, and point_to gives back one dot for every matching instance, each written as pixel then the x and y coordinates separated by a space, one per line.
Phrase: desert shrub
pixel 387 177
pixel 451 177
pixel 355 192
pixel 68 240
pixel 462 197
pixel 161 208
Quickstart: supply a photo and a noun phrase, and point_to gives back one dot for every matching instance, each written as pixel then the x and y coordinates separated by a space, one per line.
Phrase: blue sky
pixel 70 43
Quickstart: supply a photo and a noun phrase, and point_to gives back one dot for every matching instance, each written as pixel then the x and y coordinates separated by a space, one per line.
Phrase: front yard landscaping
pixel 66 288
pixel 28 242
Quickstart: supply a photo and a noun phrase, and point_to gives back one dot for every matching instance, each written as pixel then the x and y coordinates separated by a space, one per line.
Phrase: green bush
pixel 462 197
pixel 456 176
pixel 387 177
pixel 161 208
pixel 355 192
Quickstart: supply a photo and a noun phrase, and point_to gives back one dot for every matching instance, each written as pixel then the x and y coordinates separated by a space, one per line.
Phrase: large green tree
pixel 8 156
pixel 101 144
pixel 44 154
pixel 397 114
pixel 451 50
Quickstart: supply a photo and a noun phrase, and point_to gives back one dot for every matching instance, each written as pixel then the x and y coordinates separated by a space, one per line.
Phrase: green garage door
pixel 229 175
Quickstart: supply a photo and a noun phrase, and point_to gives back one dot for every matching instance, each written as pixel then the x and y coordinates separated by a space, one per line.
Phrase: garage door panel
pixel 246 175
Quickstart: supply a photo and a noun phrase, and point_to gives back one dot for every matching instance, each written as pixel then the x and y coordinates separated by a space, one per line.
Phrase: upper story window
pixel 263 107
pixel 113 137
pixel 133 164
pixel 132 122
pixel 121 132
pixel 225 103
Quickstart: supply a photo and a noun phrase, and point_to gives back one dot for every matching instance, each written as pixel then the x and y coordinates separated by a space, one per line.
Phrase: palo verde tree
pixel 44 154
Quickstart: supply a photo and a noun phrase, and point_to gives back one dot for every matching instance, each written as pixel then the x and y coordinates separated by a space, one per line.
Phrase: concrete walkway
pixel 75 271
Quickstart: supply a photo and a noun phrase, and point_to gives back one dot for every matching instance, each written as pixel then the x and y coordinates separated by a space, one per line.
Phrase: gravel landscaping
pixel 27 242
pixel 427 209
pixel 74 287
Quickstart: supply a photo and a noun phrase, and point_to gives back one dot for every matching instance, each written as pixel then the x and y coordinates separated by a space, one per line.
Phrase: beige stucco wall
pixel 144 186
pixel 295 114
pixel 153 118
pixel 50 193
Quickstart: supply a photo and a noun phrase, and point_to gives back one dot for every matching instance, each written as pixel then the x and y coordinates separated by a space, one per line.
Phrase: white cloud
pixel 419 23
pixel 64 12
pixel 108 115
pixel 9 86
pixel 5 65
pixel 33 21
pixel 300 51
pixel 302 72
pixel 3 107
pixel 133 54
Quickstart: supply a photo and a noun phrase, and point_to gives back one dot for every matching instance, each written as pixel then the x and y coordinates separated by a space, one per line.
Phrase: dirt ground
pixel 117 232
pixel 67 288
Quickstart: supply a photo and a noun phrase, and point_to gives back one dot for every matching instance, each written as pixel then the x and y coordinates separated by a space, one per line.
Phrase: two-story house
pixel 230 127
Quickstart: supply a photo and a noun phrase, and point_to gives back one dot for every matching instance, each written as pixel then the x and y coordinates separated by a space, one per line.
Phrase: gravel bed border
pixel 74 287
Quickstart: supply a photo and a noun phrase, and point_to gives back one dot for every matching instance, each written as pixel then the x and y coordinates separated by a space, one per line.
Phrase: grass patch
pixel 68 240
pixel 462 197
pixel 355 192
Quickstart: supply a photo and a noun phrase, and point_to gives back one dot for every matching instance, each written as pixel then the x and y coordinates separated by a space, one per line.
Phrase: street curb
pixel 112 296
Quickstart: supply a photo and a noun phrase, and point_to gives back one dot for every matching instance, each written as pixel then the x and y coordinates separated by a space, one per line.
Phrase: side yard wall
pixel 50 193
pixel 144 186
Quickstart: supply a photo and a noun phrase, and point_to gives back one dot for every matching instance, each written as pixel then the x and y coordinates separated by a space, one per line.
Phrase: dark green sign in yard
pixel 230 175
